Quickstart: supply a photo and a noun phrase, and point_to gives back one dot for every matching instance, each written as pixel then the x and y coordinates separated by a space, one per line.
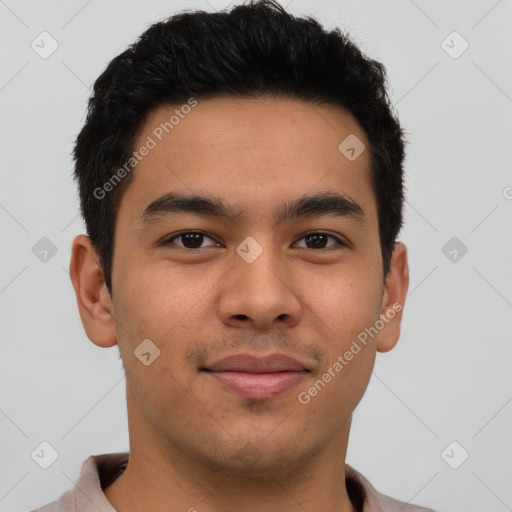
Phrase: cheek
pixel 349 307
pixel 154 305
pixel 152 299
pixel 342 381
pixel 345 307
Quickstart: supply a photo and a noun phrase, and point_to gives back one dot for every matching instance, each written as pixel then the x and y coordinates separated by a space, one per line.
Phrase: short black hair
pixel 255 49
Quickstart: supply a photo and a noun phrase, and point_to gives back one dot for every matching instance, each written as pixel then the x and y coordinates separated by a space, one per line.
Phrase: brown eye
pixel 189 239
pixel 319 241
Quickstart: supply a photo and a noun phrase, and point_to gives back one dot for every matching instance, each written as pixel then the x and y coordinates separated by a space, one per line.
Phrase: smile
pixel 257 385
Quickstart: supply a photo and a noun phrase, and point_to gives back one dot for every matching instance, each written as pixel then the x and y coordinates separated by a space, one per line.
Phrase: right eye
pixel 189 239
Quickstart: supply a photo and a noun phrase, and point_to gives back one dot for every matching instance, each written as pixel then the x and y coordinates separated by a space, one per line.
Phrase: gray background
pixel 449 377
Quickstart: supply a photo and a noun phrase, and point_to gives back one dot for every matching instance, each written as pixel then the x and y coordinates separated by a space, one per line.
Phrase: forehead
pixel 254 153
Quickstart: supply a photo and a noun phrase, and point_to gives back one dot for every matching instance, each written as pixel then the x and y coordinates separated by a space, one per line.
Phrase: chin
pixel 259 457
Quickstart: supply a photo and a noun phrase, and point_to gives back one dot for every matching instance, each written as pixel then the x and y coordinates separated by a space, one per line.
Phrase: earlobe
pixel 93 299
pixel 393 299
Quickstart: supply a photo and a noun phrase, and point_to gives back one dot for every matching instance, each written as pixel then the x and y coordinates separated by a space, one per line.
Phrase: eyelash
pixel 169 240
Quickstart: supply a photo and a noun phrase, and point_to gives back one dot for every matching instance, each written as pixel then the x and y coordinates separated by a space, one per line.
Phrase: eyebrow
pixel 320 204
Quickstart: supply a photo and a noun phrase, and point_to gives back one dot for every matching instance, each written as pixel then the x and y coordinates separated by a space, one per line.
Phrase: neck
pixel 163 477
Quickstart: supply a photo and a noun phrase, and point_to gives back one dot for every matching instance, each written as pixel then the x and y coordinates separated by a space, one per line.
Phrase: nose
pixel 259 295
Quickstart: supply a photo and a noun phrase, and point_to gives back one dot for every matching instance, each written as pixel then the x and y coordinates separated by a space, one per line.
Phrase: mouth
pixel 257 377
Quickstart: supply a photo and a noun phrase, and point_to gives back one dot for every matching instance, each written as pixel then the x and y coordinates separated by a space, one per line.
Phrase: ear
pixel 393 298
pixel 94 301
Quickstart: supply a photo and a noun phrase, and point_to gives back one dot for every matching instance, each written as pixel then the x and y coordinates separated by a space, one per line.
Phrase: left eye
pixel 195 239
pixel 319 240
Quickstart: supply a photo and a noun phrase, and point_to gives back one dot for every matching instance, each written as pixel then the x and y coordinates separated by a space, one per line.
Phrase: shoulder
pixel 97 472
pixel 66 503
pixel 362 491
pixel 51 507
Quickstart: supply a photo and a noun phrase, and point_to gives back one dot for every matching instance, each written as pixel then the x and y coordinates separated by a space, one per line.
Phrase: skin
pixel 194 444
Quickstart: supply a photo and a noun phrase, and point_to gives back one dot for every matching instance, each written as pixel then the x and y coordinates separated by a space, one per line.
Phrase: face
pixel 247 271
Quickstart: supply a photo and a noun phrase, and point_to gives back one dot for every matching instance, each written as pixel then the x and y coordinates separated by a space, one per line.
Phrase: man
pixel 241 180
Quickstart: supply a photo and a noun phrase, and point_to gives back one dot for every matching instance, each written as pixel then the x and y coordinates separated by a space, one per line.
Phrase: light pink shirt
pixel 99 471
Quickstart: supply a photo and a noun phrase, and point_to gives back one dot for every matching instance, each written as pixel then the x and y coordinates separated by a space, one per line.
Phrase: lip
pixel 253 364
pixel 257 377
